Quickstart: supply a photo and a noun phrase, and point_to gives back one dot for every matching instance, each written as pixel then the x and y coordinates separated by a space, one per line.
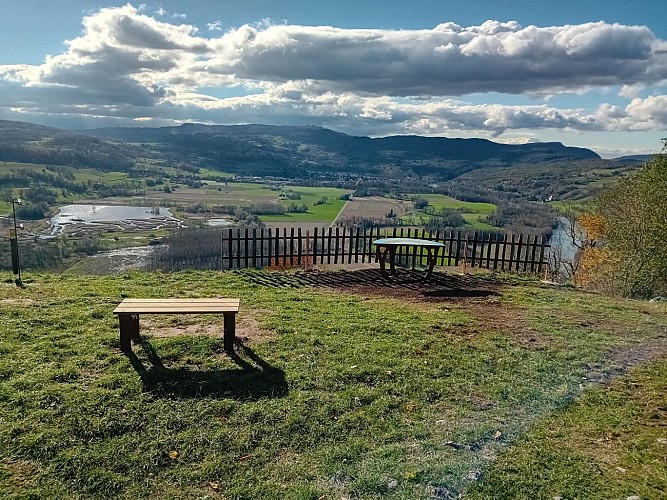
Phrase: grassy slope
pixel 345 395
pixel 326 212
pixel 612 443
pixel 440 201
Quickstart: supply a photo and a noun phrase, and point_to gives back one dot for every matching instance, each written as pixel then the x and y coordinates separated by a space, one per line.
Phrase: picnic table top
pixel 177 306
pixel 407 242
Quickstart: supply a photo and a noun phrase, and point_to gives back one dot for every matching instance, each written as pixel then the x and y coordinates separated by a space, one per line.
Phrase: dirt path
pixel 333 222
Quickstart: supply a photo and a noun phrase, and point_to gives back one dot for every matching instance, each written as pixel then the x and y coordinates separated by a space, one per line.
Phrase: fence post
pixel 474 251
pixel 315 246
pixel 497 250
pixel 465 255
pixel 246 249
pixel 299 243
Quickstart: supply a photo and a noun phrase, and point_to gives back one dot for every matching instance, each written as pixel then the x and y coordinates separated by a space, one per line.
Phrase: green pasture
pixel 329 395
pixel 89 174
pixel 245 194
pixel 439 201
pixel 325 212
pixel 12 165
pixel 210 172
pixel 477 210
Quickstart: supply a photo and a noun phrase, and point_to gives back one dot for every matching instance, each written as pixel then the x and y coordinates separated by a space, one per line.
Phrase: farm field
pixel 246 194
pixel 476 210
pixel 209 172
pixel 480 386
pixel 375 207
pixel 88 174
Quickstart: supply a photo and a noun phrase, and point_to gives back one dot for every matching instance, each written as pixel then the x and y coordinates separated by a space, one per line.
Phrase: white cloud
pixel 129 65
pixel 215 25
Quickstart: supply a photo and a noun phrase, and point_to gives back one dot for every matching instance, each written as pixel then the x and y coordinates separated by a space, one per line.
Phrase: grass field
pixel 215 173
pixel 325 212
pixel 244 194
pixel 88 174
pixel 12 165
pixel 379 393
pixel 477 210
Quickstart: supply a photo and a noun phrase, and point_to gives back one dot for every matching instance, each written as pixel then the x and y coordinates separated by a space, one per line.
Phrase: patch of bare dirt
pixel 633 355
pixel 493 315
pixel 248 330
pixel 440 287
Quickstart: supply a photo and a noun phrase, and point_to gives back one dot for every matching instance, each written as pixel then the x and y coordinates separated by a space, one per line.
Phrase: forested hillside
pixel 293 151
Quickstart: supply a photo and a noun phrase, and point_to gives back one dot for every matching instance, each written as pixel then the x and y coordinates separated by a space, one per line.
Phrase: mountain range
pixel 267 150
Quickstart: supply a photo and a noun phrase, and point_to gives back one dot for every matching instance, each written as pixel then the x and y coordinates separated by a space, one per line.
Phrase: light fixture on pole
pixel 14 240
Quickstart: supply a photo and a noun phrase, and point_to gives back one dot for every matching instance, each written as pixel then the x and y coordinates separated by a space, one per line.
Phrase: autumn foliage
pixel 629 228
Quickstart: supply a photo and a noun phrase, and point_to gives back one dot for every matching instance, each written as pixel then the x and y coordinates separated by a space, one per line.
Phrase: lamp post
pixel 14 239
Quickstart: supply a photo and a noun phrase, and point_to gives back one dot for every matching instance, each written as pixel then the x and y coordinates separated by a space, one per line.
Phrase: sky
pixel 588 73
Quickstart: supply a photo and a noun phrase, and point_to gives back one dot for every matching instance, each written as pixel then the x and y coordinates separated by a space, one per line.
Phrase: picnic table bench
pixel 128 312
pixel 386 251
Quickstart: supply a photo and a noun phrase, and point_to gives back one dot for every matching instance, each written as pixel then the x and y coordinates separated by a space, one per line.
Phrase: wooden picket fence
pixel 295 247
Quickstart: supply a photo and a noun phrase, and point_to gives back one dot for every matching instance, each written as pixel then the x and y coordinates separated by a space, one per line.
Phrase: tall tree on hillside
pixel 634 212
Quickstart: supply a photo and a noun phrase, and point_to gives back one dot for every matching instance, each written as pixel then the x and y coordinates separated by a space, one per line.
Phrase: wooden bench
pixel 128 312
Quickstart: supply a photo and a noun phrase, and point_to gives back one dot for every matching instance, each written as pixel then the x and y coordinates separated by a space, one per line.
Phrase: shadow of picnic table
pixel 440 285
pixel 252 379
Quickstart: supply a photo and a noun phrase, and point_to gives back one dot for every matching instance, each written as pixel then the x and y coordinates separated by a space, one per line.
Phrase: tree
pixel 635 228
pixel 420 203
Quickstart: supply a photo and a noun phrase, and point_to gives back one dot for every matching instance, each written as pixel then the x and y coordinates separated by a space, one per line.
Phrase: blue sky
pixel 585 73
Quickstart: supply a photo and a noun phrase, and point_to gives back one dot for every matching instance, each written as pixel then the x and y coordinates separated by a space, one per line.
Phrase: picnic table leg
pixel 431 258
pixel 129 329
pixel 381 257
pixel 229 331
pixel 392 260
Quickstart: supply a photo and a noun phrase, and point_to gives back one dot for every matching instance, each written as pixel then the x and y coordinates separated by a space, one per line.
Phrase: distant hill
pixel 30 143
pixel 266 150
pixel 290 150
pixel 633 159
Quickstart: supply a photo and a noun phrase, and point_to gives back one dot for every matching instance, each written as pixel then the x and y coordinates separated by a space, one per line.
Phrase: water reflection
pixel 120 216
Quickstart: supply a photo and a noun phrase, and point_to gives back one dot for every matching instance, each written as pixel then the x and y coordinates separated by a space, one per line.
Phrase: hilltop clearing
pixel 340 387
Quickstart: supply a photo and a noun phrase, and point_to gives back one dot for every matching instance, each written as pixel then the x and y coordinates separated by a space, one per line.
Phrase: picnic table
pixel 385 250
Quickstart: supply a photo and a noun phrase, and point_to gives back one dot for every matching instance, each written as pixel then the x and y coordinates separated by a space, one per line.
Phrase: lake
pixel 125 217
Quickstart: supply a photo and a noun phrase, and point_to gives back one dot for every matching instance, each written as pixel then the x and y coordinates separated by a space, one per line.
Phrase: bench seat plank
pixel 177 306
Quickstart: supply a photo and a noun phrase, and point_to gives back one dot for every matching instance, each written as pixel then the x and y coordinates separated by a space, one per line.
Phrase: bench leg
pixel 229 331
pixel 129 329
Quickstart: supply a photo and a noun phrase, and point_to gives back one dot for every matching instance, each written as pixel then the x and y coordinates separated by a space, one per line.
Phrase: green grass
pixel 477 210
pixel 340 395
pixel 13 165
pixel 209 172
pixel 89 174
pixel 611 443
pixel 246 194
pixel 326 212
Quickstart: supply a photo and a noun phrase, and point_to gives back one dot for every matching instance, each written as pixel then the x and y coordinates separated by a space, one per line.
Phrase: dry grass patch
pixel 248 329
